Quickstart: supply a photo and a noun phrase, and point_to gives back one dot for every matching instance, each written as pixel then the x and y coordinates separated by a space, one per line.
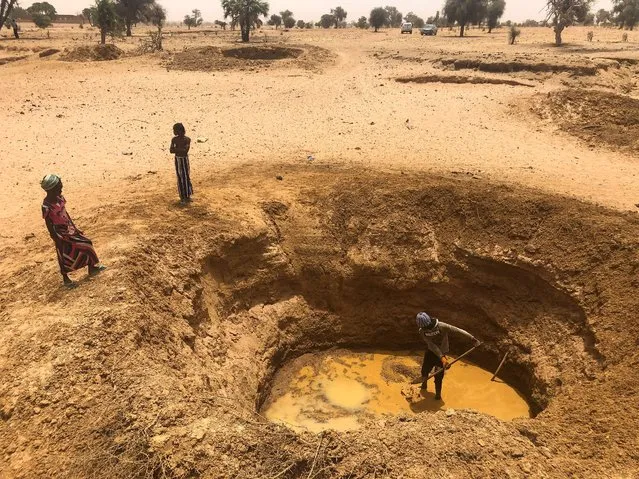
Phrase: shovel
pixel 439 370
pixel 409 392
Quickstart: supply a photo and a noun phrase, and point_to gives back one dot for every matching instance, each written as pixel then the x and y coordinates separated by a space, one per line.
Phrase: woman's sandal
pixel 97 270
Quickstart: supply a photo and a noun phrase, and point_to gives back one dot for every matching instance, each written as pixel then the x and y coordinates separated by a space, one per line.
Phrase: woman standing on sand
pixel 180 146
pixel 74 250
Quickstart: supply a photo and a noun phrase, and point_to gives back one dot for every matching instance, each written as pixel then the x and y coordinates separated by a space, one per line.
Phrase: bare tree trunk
pixel 5 10
pixel 558 30
pixel 103 36
pixel 128 27
pixel 461 32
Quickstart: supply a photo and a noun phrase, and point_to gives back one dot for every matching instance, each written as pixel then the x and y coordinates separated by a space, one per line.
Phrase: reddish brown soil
pixel 156 367
pixel 251 57
pixel 460 79
pixel 597 117
pixel 94 53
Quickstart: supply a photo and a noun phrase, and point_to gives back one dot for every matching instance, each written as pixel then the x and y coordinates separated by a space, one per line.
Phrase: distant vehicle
pixel 407 28
pixel 428 29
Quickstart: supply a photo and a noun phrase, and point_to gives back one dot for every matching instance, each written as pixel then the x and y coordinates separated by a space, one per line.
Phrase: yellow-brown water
pixel 335 390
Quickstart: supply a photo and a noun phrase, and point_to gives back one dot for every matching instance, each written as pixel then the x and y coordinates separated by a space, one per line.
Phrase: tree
pixel 465 12
pixel 417 22
pixel 287 19
pixel 603 16
pixel 155 14
pixel 89 15
pixel 6 7
pixel 11 22
pixel 394 18
pixel 589 19
pixel 301 24
pixel 197 16
pixel 436 20
pixel 362 23
pixel 327 20
pixel 222 24
pixel 513 33
pixel 131 11
pixel 275 20
pixel 378 18
pixel 308 25
pixel 494 11
pixel 17 12
pixel 42 8
pixel 41 20
pixel 339 14
pixel 106 18
pixel 245 13
pixel 627 13
pixel 562 13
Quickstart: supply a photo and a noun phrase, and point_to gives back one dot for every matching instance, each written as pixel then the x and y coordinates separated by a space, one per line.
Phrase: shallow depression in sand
pixel 336 390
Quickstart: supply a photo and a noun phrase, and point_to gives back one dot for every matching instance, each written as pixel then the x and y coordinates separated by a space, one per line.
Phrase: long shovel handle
pixel 439 370
pixel 500 365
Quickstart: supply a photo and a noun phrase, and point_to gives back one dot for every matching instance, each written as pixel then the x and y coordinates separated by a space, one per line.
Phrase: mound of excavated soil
pixel 157 367
pixel 250 57
pixel 5 60
pixel 499 63
pixel 595 116
pixel 262 53
pixel 494 64
pixel 458 79
pixel 93 53
pixel 48 52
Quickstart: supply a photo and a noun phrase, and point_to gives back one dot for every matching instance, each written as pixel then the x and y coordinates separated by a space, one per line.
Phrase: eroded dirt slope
pixel 156 368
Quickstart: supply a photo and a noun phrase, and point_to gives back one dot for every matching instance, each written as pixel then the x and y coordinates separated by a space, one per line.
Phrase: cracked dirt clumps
pixel 158 367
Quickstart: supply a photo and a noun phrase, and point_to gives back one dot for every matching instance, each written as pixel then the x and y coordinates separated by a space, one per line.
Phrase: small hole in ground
pixel 336 389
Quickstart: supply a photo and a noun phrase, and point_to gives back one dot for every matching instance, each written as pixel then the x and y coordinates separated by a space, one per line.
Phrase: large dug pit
pixel 250 57
pixel 262 288
pixel 335 390
pixel 262 53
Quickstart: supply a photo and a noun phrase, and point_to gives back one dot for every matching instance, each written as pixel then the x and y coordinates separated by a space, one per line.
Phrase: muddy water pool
pixel 335 390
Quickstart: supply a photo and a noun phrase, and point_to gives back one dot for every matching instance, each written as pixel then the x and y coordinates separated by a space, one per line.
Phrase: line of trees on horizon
pixel 116 17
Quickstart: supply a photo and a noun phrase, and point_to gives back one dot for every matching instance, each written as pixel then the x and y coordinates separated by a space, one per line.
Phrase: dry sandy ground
pixel 76 119
pixel 480 205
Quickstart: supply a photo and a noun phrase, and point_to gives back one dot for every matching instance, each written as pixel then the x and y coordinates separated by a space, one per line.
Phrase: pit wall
pixel 335 275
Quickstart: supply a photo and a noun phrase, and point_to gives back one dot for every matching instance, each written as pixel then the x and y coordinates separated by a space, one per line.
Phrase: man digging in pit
pixel 435 335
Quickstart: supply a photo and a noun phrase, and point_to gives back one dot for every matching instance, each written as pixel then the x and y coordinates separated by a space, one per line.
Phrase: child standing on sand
pixel 180 145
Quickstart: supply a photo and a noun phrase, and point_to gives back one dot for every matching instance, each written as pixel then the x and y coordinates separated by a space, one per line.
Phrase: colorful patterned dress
pixel 183 172
pixel 74 250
